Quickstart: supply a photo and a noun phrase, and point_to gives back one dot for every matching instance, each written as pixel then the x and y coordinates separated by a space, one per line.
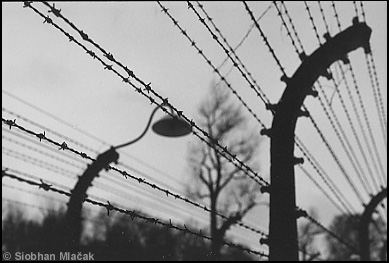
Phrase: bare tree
pixel 215 179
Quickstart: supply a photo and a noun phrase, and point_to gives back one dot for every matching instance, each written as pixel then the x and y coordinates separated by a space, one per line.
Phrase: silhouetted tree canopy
pixel 346 227
pixel 112 238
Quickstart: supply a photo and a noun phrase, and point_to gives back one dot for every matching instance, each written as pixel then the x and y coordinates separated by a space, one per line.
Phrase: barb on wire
pixel 336 15
pixel 64 146
pixel 355 8
pixel 216 145
pixel 11 123
pixel 323 17
pixel 133 215
pixel 44 186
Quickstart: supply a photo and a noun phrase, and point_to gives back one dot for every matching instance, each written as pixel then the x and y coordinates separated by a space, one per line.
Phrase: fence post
pixel 363 235
pixel 283 227
pixel 73 218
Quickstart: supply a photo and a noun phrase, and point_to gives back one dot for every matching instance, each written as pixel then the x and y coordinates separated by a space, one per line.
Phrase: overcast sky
pixel 42 68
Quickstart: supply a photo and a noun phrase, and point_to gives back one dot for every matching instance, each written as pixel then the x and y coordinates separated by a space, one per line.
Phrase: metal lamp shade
pixel 171 127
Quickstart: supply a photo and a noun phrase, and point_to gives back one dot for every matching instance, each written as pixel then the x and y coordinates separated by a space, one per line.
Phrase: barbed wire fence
pixel 160 101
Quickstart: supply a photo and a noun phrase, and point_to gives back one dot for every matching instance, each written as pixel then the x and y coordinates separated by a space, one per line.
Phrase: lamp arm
pixel 143 133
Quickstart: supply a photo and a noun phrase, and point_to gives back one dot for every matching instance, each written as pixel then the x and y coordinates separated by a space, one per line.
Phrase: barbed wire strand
pixel 46 147
pixel 222 150
pixel 68 173
pixel 355 8
pixel 87 147
pixel 310 156
pixel 353 75
pixel 68 139
pixel 236 61
pixel 310 116
pixel 73 158
pixel 38 162
pixel 336 15
pixel 348 147
pixel 53 117
pixel 42 153
pixel 292 25
pixel 122 164
pixel 327 180
pixel 175 22
pixel 362 177
pixel 377 97
pixel 41 195
pixel 245 36
pixel 342 210
pixel 221 35
pixel 378 103
pixel 63 202
pixel 217 30
pixel 377 160
pixel 128 175
pixel 375 86
pixel 125 195
pixel 271 50
pixel 46 209
pixel 321 135
pixel 132 214
pixel 312 22
pixel 323 17
pixel 201 52
pixel 208 18
pixel 90 136
pixel 356 191
pixel 332 234
pixel 375 157
pixel 287 28
pixel 99 185
pixel 320 132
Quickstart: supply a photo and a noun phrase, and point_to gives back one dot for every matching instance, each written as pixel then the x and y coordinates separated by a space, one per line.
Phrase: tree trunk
pixel 216 243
